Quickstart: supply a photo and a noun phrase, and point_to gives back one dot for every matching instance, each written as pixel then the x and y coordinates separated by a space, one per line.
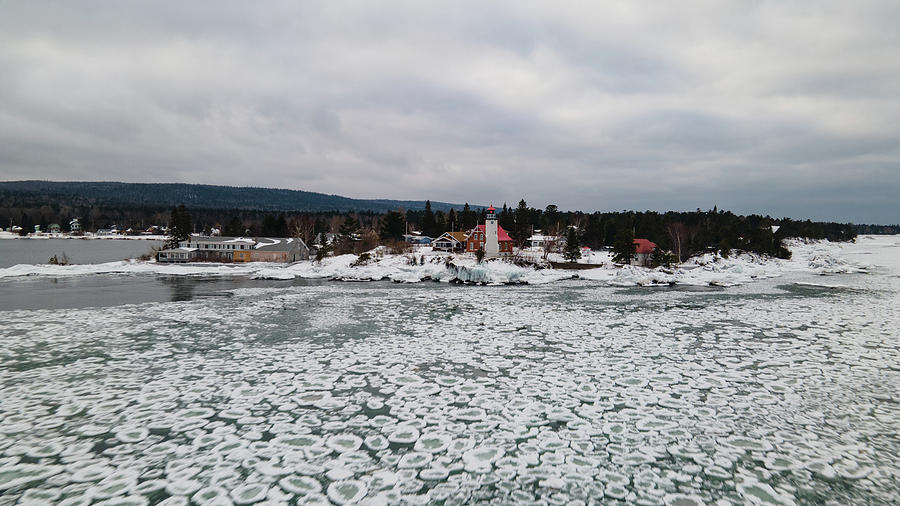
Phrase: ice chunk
pixel 300 485
pixel 344 442
pixel 347 491
pixel 249 493
pixel 21 474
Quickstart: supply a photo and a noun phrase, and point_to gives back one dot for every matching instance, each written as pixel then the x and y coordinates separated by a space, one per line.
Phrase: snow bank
pixel 706 270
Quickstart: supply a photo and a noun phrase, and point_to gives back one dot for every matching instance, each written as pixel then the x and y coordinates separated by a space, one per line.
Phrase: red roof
pixel 643 246
pixel 502 236
pixel 491 208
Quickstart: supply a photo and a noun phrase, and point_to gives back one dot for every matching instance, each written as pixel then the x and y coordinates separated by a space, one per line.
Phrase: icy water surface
pixel 772 393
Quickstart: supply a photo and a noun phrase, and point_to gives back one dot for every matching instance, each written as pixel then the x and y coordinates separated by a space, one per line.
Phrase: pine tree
pixel 393 226
pixel 350 227
pixel 233 228
pixel 521 231
pixel 573 248
pixel 429 226
pixel 179 227
pixel 623 246
pixel 323 248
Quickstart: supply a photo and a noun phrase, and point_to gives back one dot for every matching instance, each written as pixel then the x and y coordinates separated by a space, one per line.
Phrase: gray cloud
pixel 772 107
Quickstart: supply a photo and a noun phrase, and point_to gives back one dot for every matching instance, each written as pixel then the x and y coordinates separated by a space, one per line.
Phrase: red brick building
pixel 477 237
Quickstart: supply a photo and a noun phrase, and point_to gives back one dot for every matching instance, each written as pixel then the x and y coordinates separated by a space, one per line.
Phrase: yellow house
pixel 241 255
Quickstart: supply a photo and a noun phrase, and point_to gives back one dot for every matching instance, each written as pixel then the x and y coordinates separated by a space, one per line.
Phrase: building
pixel 220 249
pixel 75 227
pixel 643 248
pixel 177 255
pixel 55 228
pixel 283 250
pixel 491 237
pixel 450 241
pixel 236 249
pixel 551 242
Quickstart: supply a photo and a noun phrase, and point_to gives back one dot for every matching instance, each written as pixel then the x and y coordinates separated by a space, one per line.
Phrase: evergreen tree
pixel 281 226
pixel 452 224
pixel 233 228
pixel 661 258
pixel 440 224
pixel 573 248
pixel 522 228
pixel 269 226
pixel 550 220
pixel 350 227
pixel 468 218
pixel 429 226
pixel 179 227
pixel 623 246
pixel 322 248
pixel 393 226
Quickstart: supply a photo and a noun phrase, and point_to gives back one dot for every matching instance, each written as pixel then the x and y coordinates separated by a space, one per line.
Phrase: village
pixel 485 241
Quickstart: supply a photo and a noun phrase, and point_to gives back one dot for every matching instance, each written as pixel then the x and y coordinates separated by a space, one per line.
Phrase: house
pixel 643 248
pixel 55 228
pixel 75 227
pixel 284 250
pixel 220 249
pixel 450 241
pixel 540 241
pixel 491 237
pixel 177 255
pixel 108 231
pixel 200 248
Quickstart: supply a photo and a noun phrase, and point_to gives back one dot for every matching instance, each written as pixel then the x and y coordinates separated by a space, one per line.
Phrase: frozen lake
pixel 79 251
pixel 779 391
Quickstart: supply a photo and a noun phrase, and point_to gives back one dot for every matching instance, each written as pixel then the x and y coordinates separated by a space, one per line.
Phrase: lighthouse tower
pixel 491 240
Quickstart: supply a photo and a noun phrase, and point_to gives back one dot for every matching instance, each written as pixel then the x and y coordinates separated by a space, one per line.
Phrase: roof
pixel 277 244
pixel 502 236
pixel 217 238
pixel 456 236
pixel 491 208
pixel 643 246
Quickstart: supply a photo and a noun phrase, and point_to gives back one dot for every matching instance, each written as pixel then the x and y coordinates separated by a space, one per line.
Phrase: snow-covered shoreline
pixel 820 257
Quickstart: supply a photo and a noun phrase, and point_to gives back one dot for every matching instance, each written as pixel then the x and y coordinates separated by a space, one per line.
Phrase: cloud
pixel 772 107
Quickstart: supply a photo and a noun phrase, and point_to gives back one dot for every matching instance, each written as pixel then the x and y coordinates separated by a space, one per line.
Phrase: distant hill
pixel 38 193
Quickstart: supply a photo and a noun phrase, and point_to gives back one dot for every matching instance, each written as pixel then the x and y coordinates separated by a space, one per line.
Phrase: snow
pixel 818 257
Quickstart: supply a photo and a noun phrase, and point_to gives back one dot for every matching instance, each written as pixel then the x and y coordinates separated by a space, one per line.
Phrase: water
pixel 781 391
pixel 78 251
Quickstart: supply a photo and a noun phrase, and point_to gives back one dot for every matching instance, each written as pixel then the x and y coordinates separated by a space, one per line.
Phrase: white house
pixel 450 241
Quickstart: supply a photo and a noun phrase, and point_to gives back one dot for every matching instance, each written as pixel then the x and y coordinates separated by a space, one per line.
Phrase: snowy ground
pixel 782 391
pixel 424 264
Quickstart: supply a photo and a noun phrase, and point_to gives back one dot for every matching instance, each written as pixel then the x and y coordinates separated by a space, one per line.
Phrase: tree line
pixel 684 233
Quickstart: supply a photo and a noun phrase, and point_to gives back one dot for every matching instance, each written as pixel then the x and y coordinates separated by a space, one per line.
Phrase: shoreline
pixel 706 270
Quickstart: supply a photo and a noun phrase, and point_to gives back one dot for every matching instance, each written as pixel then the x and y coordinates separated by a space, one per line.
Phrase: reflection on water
pixel 182 288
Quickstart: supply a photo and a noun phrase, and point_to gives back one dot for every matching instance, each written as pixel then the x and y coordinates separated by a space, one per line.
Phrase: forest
pixel 684 233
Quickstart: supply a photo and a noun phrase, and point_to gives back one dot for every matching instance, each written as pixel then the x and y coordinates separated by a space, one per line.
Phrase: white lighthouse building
pixel 491 238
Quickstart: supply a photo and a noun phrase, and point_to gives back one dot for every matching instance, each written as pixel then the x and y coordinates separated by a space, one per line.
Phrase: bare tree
pixel 551 245
pixel 304 227
pixel 679 235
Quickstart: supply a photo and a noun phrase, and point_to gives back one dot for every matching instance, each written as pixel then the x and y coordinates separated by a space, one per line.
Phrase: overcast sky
pixel 783 108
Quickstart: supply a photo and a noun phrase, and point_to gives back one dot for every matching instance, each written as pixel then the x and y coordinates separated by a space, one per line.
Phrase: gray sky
pixel 783 108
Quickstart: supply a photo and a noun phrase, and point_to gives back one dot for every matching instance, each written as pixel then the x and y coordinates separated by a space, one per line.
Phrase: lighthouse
pixel 491 239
